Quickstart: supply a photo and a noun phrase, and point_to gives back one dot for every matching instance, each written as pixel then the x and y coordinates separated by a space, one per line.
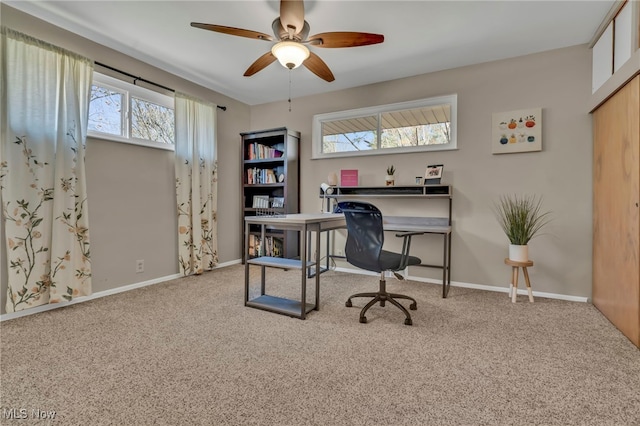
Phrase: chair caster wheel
pixel 407 321
pixel 413 306
pixel 348 303
pixel 382 303
pixel 363 320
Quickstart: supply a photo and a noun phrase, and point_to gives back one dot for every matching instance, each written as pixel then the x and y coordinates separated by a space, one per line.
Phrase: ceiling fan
pixel 292 34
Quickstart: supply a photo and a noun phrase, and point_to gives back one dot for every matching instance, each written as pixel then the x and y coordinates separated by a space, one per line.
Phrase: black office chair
pixel 364 250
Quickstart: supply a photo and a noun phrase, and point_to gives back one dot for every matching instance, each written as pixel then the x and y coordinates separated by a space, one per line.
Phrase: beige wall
pixel 131 189
pixel 132 212
pixel 559 81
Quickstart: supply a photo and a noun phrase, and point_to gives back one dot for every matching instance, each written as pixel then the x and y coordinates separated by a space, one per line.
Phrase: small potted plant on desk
pixel 390 180
pixel 521 219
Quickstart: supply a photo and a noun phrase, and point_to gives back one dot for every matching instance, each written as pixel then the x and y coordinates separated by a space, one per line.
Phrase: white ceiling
pixel 420 37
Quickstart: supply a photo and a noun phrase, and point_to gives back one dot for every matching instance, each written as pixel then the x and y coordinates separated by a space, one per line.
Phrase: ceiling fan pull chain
pixel 289 89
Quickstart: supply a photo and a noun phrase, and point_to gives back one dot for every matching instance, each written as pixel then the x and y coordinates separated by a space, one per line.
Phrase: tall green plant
pixel 521 217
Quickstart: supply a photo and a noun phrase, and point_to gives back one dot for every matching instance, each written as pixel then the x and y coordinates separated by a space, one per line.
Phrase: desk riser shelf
pixel 392 191
pixel 354 196
pixel 415 192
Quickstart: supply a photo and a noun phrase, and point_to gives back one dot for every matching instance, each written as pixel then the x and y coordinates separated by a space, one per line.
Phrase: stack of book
pixel 272 246
pixel 256 151
pixel 256 176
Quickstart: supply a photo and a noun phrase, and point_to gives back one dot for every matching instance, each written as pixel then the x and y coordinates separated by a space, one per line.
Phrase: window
pixel 422 125
pixel 125 112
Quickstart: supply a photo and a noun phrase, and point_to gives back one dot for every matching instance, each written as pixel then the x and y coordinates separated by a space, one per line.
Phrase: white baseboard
pixel 44 308
pixel 478 286
pixel 49 307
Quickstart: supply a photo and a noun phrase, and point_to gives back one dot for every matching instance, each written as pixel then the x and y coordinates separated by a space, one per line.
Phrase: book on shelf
pixel 272 246
pixel 276 249
pixel 256 151
pixel 254 246
pixel 256 176
pixel 260 201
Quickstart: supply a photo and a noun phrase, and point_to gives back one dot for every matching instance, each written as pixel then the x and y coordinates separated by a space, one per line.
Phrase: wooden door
pixel 616 227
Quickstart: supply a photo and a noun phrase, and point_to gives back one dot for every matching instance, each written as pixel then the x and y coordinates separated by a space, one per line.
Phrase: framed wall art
pixel 517 131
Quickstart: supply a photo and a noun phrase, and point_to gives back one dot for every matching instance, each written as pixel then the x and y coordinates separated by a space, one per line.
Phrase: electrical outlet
pixel 139 266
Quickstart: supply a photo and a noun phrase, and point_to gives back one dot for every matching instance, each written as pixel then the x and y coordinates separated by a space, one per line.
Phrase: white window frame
pixel 318 119
pixel 131 90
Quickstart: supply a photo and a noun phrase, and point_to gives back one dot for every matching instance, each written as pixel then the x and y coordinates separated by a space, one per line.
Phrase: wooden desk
pixel 305 224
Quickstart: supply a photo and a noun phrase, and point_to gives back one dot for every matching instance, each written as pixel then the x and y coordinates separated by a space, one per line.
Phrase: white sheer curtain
pixel 196 184
pixel 45 98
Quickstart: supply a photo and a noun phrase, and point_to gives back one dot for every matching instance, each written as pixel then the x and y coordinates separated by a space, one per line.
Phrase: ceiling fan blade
pixel 318 67
pixel 233 31
pixel 261 63
pixel 292 15
pixel 345 39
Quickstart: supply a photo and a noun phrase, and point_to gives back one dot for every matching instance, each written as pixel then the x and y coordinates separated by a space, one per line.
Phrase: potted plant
pixel 521 218
pixel 391 170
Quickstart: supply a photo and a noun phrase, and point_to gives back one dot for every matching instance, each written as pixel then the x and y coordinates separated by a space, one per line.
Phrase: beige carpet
pixel 188 352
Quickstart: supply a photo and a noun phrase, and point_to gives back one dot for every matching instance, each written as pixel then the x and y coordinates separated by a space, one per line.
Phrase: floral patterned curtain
pixel 196 184
pixel 45 100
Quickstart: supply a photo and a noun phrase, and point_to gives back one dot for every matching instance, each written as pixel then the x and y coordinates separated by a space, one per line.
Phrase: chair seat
pixel 390 261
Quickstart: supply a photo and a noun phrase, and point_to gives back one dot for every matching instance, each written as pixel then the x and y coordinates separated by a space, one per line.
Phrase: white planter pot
pixel 519 253
pixel 390 180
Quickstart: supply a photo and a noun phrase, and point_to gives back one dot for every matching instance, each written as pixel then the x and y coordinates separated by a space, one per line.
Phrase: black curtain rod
pixel 136 78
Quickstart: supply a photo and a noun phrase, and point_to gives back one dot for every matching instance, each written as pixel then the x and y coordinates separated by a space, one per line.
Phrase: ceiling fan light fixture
pixel 290 54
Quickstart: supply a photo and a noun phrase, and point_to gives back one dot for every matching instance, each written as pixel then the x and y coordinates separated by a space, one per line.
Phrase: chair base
pixel 382 296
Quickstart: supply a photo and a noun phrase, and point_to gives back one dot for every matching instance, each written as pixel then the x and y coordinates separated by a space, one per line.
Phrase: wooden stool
pixel 513 287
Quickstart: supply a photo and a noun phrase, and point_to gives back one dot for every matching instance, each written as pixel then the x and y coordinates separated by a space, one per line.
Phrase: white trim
pixel 98 295
pixel 143 93
pixel 318 119
pixel 44 308
pixel 129 91
pixel 229 263
pixel 130 141
pixel 611 14
pixel 478 286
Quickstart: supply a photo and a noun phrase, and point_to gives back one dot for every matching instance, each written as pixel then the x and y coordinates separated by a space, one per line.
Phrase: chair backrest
pixel 365 234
